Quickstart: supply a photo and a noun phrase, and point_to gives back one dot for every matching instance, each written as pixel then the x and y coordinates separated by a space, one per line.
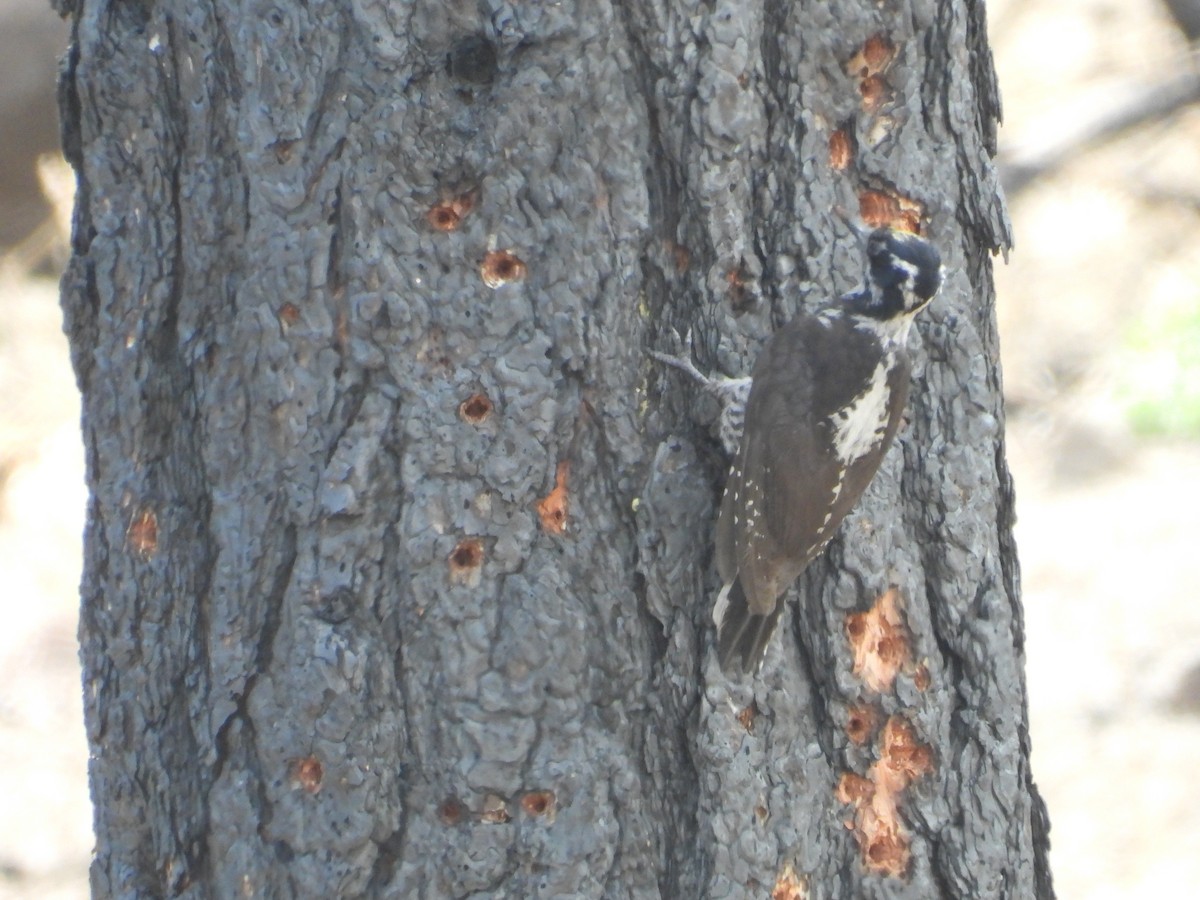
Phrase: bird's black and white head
pixel 900 263
pixel 904 272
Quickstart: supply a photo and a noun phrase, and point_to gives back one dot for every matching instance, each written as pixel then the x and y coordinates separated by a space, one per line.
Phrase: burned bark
pixel 397 577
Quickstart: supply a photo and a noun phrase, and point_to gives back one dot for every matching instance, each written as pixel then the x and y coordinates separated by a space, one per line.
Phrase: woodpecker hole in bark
pixel 443 218
pixel 747 716
pixel 789 885
pixel 501 267
pixel 874 57
pixel 476 409
pixel 879 642
pixel 854 789
pixel 448 215
pixel 552 509
pixel 142 535
pixel 307 774
pixel 875 92
pixel 841 150
pixel 861 724
pixel 921 678
pixel 451 811
pixel 539 803
pixel 466 561
pixel 882 209
pixel 289 314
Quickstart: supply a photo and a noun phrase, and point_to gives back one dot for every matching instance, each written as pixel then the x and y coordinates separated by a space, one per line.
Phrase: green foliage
pixel 1161 381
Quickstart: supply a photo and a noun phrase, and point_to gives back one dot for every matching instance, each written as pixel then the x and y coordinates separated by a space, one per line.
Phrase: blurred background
pixel 1100 319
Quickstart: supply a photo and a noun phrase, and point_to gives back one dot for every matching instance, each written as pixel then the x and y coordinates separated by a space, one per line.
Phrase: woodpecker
pixel 820 410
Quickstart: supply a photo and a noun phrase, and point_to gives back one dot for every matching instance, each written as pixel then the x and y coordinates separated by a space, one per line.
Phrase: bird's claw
pixel 684 362
pixel 685 342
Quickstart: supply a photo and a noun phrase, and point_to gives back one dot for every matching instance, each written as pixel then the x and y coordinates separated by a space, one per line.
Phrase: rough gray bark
pixel 333 644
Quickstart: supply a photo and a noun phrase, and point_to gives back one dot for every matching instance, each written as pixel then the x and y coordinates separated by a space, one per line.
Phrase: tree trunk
pixel 398 574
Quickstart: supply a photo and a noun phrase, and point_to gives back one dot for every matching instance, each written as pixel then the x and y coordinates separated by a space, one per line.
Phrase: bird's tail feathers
pixel 742 636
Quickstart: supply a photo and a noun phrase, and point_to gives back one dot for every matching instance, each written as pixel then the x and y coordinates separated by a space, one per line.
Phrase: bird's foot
pixel 684 362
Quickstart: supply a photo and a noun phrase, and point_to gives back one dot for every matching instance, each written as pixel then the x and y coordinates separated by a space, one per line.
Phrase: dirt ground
pixel 1108 519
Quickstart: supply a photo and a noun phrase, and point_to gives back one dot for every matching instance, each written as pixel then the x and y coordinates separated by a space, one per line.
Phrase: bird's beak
pixel 853 224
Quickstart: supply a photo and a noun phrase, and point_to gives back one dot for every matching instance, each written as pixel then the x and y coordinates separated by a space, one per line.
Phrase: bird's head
pixel 904 271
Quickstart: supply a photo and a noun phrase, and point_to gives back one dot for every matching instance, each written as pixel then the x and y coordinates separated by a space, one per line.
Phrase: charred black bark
pixel 398 580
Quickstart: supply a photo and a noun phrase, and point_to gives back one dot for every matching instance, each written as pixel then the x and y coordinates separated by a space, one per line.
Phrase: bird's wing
pixel 789 442
pixel 774 448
